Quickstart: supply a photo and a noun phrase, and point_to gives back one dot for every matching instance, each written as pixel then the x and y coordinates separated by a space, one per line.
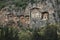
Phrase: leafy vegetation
pixel 2 4
pixel 18 3
pixel 45 33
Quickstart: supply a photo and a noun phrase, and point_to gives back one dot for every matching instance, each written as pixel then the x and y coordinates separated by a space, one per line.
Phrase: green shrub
pixel 25 35
pixel 8 33
pixel 48 32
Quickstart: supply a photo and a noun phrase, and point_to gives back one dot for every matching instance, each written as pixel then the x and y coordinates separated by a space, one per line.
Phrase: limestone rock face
pixel 40 12
pixel 36 12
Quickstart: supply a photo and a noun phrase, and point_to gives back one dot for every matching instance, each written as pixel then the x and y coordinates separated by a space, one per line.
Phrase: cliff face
pixel 39 3
pixel 38 7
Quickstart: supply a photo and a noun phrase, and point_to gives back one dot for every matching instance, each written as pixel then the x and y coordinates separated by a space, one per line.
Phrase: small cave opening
pixel 45 15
